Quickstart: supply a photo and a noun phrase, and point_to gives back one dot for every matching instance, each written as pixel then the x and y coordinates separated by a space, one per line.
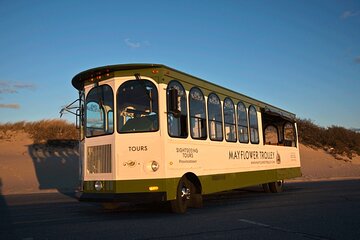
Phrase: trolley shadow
pixel 6 227
pixel 56 164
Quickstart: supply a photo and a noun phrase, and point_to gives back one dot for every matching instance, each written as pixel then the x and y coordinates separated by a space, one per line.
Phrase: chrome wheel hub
pixel 185 193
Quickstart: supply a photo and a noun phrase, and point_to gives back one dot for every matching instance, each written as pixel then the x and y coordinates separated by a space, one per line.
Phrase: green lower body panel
pixel 228 181
pixel 167 187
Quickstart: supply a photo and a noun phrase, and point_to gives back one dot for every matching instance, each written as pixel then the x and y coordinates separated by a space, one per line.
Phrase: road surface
pixel 312 210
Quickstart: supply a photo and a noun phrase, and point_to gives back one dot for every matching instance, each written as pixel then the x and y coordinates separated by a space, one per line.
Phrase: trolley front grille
pixel 99 159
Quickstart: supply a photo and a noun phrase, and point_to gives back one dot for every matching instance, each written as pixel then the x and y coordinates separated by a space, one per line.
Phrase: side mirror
pixel 78 119
pixel 174 103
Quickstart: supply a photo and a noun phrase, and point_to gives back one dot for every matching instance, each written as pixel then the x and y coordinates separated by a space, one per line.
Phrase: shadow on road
pixel 244 197
pixel 246 214
pixel 6 228
pixel 56 165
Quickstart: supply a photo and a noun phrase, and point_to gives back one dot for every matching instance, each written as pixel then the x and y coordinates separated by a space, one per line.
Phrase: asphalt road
pixel 317 210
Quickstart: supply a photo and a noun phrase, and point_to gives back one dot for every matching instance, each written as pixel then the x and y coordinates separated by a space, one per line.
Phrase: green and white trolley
pixel 150 132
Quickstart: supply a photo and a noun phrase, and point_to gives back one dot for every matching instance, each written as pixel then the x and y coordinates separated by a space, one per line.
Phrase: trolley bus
pixel 152 133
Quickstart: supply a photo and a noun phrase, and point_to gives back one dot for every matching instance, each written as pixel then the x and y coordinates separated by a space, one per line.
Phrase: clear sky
pixel 302 56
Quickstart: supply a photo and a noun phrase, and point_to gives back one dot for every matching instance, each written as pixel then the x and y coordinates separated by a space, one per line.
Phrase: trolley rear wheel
pixel 266 187
pixel 276 187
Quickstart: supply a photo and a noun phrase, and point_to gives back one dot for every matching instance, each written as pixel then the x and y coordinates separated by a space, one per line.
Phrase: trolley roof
pixel 79 80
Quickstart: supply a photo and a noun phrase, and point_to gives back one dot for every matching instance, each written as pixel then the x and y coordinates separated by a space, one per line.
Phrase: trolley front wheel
pixel 183 196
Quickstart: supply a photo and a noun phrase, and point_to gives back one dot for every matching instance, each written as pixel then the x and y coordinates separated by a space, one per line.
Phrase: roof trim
pixel 78 80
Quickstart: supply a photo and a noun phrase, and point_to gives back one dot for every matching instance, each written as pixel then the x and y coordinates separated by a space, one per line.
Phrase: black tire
pixel 266 187
pixel 276 187
pixel 196 201
pixel 183 196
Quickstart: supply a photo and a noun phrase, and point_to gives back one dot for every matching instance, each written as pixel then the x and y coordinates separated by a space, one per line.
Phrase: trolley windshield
pixel 99 112
pixel 137 107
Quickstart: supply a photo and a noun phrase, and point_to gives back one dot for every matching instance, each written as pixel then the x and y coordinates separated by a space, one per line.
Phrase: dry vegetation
pixel 336 140
pixel 42 131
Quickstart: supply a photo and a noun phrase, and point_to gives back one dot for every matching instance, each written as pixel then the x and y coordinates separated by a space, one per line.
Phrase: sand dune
pixel 317 164
pixel 26 167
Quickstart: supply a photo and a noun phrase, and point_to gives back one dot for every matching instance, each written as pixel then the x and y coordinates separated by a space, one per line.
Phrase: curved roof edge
pixel 79 78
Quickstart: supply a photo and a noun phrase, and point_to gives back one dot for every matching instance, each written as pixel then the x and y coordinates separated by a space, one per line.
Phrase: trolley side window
pixel 271 135
pixel 289 135
pixel 254 128
pixel 243 131
pixel 177 119
pixel 229 120
pixel 197 114
pixel 215 118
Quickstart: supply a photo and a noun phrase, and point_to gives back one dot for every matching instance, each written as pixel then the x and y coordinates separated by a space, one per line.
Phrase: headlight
pixel 98 185
pixel 154 166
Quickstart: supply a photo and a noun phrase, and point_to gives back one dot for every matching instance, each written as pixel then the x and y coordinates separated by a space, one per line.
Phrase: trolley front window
pixel 137 104
pixel 99 112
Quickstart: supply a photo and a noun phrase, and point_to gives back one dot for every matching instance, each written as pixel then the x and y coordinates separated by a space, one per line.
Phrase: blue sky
pixel 302 56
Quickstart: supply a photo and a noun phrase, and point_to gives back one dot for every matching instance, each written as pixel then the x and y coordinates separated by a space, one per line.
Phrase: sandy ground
pixel 317 164
pixel 27 168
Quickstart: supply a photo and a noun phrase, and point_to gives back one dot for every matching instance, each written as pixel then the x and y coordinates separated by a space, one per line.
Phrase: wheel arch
pixel 195 180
